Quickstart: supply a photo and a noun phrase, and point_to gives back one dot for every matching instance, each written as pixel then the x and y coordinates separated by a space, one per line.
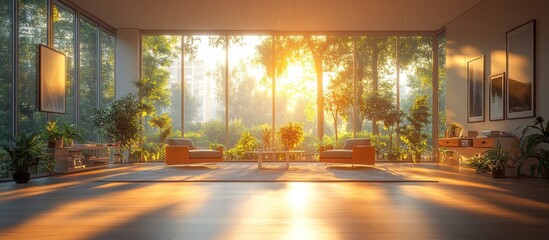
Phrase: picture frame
pixel 496 97
pixel 52 80
pixel 521 55
pixel 475 89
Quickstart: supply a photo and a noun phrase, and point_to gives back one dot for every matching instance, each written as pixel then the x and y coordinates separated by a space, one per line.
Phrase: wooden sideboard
pixel 465 148
pixel 82 156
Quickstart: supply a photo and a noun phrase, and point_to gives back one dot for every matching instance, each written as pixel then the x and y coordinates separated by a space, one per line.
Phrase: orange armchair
pixel 355 151
pixel 180 151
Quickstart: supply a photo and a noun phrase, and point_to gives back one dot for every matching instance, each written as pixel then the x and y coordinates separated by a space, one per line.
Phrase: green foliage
pixel 246 143
pixel 412 135
pixel 70 133
pixel 26 154
pixel 478 162
pixel 533 136
pixel 267 137
pixel 497 156
pixel 199 139
pixel 53 132
pixel 338 100
pixel 120 121
pixel 291 135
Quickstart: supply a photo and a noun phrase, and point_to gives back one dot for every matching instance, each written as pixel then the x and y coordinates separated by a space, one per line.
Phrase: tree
pixel 338 100
pixel 417 118
pixel 322 50
pixel 120 121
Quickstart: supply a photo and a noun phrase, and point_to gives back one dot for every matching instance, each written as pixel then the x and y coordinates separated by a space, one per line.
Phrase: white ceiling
pixel 277 15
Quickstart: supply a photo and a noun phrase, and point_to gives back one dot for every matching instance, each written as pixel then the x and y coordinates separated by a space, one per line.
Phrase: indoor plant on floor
pixel 534 143
pixel 25 155
pixel 497 158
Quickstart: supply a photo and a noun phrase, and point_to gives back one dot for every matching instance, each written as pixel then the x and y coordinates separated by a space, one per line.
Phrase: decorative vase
pixel 21 177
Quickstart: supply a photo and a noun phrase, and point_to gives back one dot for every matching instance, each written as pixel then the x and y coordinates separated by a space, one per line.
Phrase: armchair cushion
pixel 182 141
pixel 336 153
pixel 350 143
pixel 205 153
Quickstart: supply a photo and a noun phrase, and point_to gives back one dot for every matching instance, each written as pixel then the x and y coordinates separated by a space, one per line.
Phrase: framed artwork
pixel 52 80
pixel 496 102
pixel 520 50
pixel 475 90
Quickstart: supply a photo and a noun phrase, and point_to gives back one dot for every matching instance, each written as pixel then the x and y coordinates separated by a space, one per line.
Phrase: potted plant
pixel 534 143
pixel 70 134
pixel 54 135
pixel 120 122
pixel 497 158
pixel 291 135
pixel 25 155
pixel 479 163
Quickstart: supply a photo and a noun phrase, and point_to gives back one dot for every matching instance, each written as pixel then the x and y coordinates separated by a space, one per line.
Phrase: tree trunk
pixel 375 79
pixel 319 96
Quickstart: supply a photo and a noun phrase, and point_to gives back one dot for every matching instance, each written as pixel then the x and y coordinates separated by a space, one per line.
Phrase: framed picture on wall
pixel 53 72
pixel 520 50
pixel 475 90
pixel 496 99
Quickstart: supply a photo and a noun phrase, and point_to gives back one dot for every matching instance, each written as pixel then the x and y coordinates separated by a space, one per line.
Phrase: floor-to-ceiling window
pixel 64 40
pixel 107 68
pixel 32 30
pixel 6 69
pixel 250 88
pixel 441 84
pixel 205 83
pixel 23 27
pixel 88 77
pixel 236 84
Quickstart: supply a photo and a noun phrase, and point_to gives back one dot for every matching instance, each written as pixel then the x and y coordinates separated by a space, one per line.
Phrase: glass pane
pixel 32 17
pixel 88 77
pixel 416 77
pixel 204 77
pixel 441 85
pixel 64 41
pixel 250 89
pixel 6 70
pixel 107 68
pixel 159 55
pixel 338 87
pixel 296 85
pixel 376 75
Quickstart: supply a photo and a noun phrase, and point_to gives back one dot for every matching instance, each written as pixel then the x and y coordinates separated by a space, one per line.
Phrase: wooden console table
pixel 261 155
pixel 477 145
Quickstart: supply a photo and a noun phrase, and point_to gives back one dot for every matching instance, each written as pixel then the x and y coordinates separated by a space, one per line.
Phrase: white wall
pixel 127 61
pixel 482 31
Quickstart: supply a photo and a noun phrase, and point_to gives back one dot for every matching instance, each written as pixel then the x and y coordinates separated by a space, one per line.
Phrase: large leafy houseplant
pixel 497 158
pixel 291 135
pixel 418 117
pixel 25 155
pixel 120 122
pixel 531 146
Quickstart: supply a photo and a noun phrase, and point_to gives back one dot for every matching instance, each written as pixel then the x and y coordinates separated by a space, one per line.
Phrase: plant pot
pixel 498 172
pixel 545 173
pixel 510 171
pixel 21 177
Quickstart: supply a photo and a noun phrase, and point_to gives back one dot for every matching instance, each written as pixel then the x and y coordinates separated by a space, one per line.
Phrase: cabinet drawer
pixel 484 142
pixel 449 142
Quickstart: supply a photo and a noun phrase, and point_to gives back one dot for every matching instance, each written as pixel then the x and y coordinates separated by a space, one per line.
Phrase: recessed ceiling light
pixel 405 21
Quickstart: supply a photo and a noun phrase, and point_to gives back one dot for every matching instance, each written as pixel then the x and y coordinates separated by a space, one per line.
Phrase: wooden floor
pixel 461 205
